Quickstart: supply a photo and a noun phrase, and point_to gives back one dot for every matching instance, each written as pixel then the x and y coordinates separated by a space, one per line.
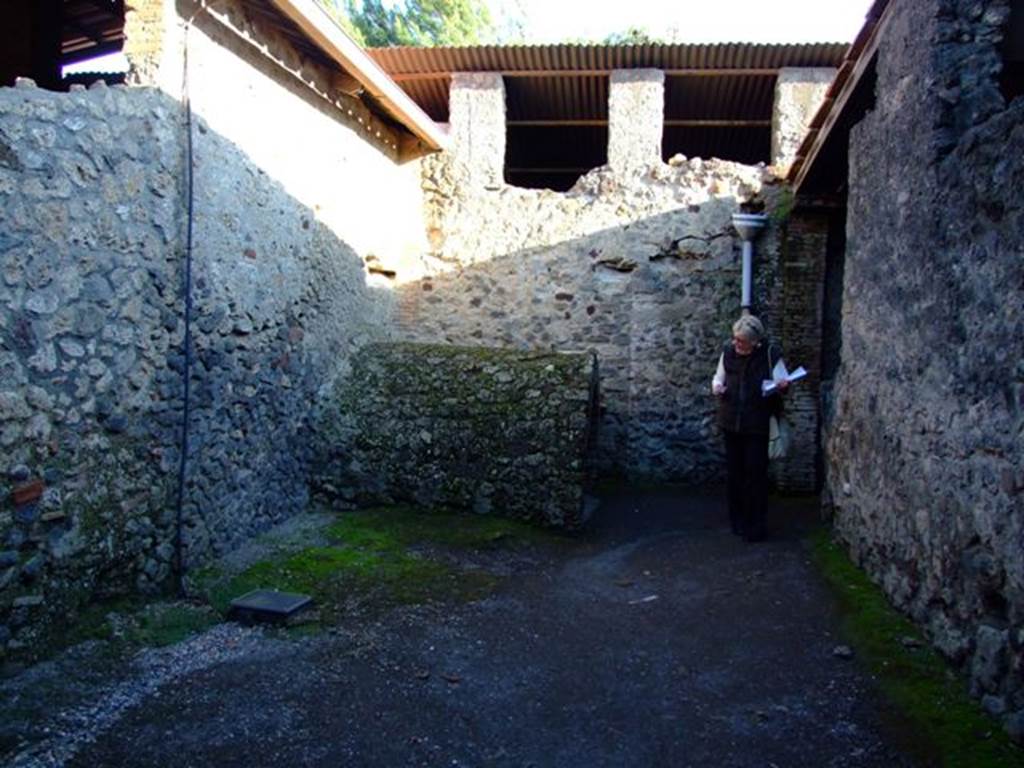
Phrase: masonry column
pixel 803 275
pixel 476 107
pixel 636 118
pixel 799 91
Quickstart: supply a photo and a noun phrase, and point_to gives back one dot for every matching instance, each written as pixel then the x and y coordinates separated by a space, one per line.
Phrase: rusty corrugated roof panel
pixel 556 91
pixel 731 83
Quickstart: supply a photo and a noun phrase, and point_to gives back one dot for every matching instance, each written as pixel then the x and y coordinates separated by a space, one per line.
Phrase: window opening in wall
pixel 60 42
pixel 1011 80
pixel 556 129
pixel 723 116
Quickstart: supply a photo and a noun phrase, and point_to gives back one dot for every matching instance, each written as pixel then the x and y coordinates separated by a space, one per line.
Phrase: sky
pixel 692 21
pixel 680 21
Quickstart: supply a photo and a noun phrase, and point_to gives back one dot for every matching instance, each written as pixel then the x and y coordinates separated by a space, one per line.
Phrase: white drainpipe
pixel 748 226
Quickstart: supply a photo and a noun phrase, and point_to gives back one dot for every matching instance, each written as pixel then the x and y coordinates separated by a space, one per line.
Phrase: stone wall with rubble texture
pixel 925 467
pixel 90 252
pixel 643 268
pixel 495 431
pixel 92 244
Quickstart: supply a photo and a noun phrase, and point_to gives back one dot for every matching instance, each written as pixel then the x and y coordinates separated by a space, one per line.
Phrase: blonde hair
pixel 750 328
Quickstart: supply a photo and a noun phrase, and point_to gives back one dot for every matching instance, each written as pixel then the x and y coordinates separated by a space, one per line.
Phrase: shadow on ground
pixel 655 639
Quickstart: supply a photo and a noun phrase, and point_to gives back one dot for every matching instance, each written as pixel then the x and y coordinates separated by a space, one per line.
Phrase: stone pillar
pixel 154 42
pixel 636 118
pixel 799 91
pixel 476 106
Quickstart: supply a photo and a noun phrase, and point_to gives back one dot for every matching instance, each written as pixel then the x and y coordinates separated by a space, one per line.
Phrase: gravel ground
pixel 656 639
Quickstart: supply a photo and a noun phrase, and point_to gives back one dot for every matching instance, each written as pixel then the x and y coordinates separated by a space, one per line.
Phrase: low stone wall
pixel 496 431
pixel 925 467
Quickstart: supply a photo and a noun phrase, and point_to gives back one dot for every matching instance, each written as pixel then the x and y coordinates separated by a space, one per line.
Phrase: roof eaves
pixel 843 85
pixel 322 30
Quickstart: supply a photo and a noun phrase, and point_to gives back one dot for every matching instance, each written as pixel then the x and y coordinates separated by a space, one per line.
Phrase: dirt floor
pixel 657 638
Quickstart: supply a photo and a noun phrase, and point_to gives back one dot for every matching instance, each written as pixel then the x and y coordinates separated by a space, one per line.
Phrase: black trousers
pixel 747 477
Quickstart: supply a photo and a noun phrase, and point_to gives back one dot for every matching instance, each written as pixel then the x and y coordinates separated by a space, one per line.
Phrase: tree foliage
pixel 415 22
pixel 632 36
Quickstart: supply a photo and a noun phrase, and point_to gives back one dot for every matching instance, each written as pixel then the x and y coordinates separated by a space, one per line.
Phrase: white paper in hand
pixel 779 373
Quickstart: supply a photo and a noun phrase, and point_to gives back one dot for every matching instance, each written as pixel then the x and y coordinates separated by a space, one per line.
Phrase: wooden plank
pixel 321 29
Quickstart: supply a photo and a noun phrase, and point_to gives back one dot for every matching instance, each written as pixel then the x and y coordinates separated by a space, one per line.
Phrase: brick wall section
pixel 803 273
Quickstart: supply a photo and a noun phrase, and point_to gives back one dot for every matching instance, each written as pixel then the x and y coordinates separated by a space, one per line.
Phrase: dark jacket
pixel 743 408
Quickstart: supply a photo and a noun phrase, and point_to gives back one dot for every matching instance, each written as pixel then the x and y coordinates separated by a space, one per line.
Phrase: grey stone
pixel 39 398
pixel 990 658
pixel 43 302
pixel 89 320
pixel 97 289
pixel 32 569
pixel 71 348
pixel 994 705
pixel 38 427
pixel 44 360
pixel 1014 726
pixel 26 515
pixel 13 406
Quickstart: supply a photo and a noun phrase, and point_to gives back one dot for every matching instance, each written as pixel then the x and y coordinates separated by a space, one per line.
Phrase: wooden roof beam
pixel 862 52
pixel 323 31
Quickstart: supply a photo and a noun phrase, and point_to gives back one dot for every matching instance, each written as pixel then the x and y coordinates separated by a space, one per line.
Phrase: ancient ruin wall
pixel 292 194
pixel 495 431
pixel 93 216
pixel 638 262
pixel 925 467
pixel 90 310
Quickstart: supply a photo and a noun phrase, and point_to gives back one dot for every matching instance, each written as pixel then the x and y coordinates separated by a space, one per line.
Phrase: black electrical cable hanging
pixel 179 565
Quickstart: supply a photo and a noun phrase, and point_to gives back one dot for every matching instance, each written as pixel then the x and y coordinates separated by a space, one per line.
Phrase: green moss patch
pixel 377 558
pixel 938 722
pixel 130 623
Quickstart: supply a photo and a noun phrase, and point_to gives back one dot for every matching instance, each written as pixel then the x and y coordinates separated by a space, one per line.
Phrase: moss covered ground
pixel 133 622
pixel 378 558
pixel 939 723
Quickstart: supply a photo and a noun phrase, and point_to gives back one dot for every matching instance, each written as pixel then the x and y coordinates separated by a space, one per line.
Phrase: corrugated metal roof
pixel 556 89
pixel 489 58
pixel 731 83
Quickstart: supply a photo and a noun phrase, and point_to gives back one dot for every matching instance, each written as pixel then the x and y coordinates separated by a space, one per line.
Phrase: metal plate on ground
pixel 268 605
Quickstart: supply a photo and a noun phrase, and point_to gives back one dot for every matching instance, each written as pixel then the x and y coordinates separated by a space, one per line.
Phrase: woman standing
pixel 744 412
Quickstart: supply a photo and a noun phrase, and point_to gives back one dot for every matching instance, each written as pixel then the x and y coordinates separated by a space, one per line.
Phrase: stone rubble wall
pixel 90 309
pixel 495 431
pixel 924 460
pixel 92 244
pixel 642 268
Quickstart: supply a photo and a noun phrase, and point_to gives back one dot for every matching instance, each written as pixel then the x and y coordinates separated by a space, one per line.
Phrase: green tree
pixel 632 36
pixel 414 22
